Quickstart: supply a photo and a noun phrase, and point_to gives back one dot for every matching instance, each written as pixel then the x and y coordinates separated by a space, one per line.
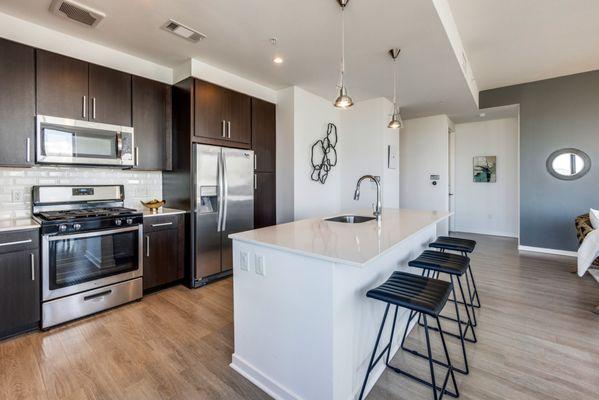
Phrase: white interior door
pixel 451 179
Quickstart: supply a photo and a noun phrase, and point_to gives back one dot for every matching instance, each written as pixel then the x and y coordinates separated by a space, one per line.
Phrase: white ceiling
pixel 517 41
pixel 487 114
pixel 430 80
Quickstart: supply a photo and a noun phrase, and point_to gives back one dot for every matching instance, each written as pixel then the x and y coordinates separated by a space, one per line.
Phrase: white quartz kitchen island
pixel 304 328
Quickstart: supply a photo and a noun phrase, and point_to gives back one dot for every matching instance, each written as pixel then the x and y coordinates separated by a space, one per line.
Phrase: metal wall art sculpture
pixel 324 155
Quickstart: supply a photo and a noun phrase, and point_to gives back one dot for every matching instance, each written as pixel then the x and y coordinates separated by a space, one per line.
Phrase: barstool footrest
pixel 442 389
pixel 438 362
pixel 455 335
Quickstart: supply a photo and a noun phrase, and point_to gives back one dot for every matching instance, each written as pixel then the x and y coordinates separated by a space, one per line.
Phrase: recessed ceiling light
pixel 277 60
pixel 482 115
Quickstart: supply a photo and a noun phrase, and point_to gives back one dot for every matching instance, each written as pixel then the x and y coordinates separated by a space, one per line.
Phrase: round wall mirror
pixel 568 164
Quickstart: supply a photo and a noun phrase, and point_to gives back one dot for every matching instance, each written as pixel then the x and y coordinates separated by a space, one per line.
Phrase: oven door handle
pixel 93 234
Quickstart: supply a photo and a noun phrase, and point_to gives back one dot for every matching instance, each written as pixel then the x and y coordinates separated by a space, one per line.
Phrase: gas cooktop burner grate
pixel 85 213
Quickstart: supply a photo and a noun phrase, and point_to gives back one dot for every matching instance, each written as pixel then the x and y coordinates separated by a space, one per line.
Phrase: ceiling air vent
pixel 76 12
pixel 183 31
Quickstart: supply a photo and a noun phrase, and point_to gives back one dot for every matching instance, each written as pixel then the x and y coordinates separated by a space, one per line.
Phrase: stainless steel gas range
pixel 91 250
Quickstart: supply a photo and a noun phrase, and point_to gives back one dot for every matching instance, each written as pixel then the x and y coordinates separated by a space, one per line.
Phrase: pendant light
pixel 396 121
pixel 343 100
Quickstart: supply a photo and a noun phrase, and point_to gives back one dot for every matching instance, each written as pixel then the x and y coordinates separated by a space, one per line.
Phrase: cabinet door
pixel 149 121
pixel 160 258
pixel 61 86
pixel 264 135
pixel 19 291
pixel 239 127
pixel 109 96
pixel 17 104
pixel 265 212
pixel 212 109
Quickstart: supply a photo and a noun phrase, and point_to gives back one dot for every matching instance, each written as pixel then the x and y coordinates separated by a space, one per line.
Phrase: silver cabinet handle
pixel 255 182
pixel 223 132
pixel 32 267
pixel 255 161
pixel 93 108
pixel 28 150
pixel 147 246
pixel 136 156
pixel 84 106
pixel 162 224
pixel 229 129
pixel 15 243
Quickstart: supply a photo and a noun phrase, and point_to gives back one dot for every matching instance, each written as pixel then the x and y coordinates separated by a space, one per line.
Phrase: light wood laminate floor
pixel 538 339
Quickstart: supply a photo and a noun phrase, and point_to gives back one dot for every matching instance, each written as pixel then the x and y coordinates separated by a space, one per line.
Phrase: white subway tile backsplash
pixel 16 184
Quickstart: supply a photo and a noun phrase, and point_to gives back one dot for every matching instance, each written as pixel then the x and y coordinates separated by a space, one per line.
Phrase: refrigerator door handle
pixel 220 193
pixel 225 193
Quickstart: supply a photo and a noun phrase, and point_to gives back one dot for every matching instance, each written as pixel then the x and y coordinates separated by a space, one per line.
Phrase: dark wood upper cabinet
pixel 221 113
pixel 17 104
pixel 109 96
pixel 264 135
pixel 265 200
pixel 239 128
pixel 62 86
pixel 151 100
pixel 212 109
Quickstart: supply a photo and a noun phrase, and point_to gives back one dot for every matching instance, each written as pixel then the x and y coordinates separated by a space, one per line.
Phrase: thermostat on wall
pixel 434 179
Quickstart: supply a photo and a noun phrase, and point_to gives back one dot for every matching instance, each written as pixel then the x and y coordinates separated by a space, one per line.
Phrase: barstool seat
pixel 415 292
pixel 443 262
pixel 454 244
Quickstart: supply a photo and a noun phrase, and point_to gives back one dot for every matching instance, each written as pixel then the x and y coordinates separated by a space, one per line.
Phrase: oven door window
pixel 74 260
pixel 78 143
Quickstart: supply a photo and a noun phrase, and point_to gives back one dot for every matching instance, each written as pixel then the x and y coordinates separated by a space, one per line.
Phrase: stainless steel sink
pixel 350 219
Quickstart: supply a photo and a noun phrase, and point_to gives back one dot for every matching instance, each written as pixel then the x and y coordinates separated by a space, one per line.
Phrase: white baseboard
pixel 486 232
pixel 549 251
pixel 252 374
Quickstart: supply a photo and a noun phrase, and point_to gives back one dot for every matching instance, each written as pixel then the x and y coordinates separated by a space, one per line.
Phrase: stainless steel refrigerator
pixel 224 204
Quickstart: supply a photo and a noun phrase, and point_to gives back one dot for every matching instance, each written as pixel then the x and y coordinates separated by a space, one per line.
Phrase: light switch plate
pixel 244 261
pixel 259 264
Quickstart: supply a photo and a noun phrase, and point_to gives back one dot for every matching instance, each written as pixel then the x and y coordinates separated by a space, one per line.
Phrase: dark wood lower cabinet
pixel 19 290
pixel 164 252
pixel 265 212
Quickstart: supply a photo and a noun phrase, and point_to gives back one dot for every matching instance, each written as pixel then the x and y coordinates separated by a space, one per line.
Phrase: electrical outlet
pixel 259 264
pixel 244 261
pixel 17 195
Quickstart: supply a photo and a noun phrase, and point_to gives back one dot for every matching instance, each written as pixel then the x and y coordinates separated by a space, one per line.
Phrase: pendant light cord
pixel 342 45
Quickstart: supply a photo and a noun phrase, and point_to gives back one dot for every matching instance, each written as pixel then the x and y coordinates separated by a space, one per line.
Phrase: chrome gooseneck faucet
pixel 378 209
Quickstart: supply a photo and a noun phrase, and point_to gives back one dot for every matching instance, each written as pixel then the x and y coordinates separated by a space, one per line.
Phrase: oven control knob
pixel 129 221
pixel 118 222
pixel 62 228
pixel 76 226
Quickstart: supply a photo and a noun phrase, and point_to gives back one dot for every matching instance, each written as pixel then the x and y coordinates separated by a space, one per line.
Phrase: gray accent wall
pixel 554 114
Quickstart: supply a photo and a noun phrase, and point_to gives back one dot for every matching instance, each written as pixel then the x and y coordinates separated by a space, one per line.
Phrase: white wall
pixel 488 208
pixel 284 155
pixel 424 151
pixel 364 146
pixel 312 113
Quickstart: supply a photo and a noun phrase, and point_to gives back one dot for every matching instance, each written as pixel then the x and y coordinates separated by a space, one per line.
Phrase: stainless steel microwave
pixel 70 141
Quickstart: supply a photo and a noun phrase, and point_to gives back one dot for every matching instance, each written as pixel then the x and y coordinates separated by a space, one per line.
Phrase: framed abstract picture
pixel 484 169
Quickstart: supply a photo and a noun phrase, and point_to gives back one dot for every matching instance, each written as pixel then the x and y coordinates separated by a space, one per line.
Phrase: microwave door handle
pixel 119 144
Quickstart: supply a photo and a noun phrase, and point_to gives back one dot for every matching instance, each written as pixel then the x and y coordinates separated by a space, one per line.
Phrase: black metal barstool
pixel 422 295
pixel 454 265
pixel 464 247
